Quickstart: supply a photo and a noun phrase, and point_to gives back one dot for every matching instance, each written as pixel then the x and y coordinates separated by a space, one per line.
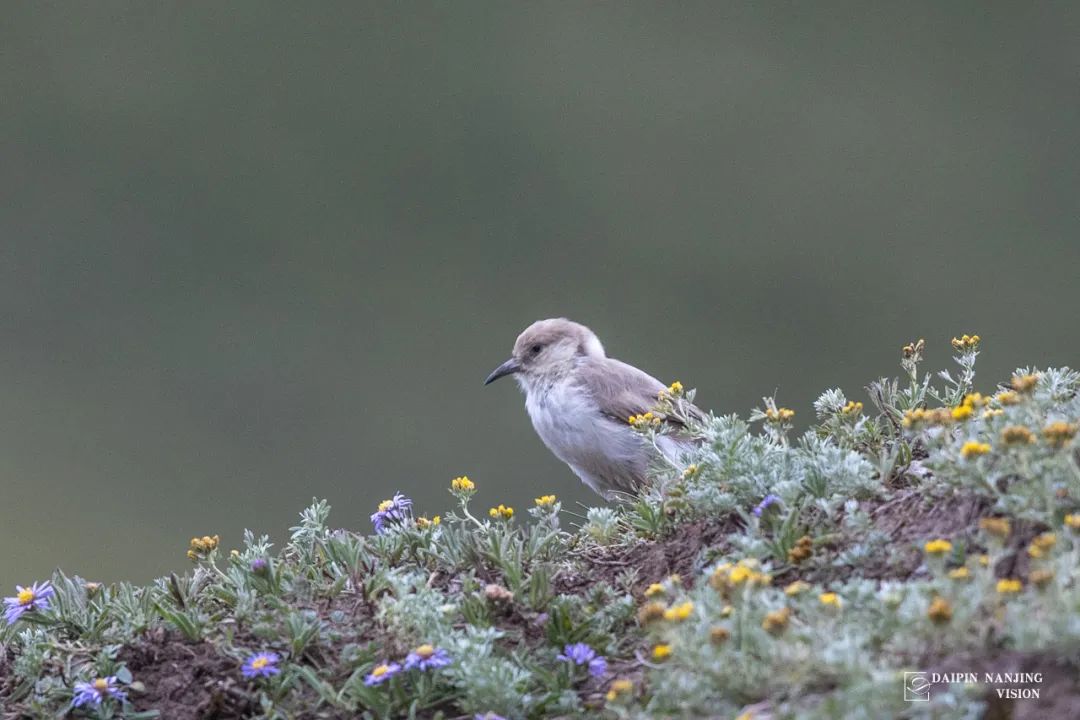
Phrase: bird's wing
pixel 621 390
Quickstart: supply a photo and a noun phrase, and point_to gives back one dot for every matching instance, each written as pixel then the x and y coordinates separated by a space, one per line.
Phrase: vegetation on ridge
pixel 929 527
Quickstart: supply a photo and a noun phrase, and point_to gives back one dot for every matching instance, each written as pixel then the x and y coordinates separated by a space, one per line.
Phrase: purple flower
pixel 769 500
pixel 263 664
pixel 382 673
pixel 425 657
pixel 27 599
pixel 582 654
pixel 260 566
pixel 391 511
pixel 92 693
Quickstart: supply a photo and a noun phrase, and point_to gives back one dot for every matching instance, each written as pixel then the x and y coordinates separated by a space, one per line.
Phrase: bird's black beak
pixel 509 367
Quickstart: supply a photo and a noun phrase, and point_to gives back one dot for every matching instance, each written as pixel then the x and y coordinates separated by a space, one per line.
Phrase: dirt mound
pixel 684 553
pixel 185 681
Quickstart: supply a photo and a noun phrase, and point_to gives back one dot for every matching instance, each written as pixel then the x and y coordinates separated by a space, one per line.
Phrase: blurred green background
pixel 254 253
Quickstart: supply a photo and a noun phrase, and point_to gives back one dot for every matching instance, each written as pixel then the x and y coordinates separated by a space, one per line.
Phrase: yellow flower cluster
pixel 646 420
pixel 661 652
pixel 779 415
pixel 1024 383
pixel 968 405
pixel 829 599
pixel 940 611
pixel 804 547
pixel 619 687
pixel 675 388
pixel 938 547
pixel 974 448
pixel 852 408
pixel 796 588
pixel 462 485
pixel 727 577
pixel 959 574
pixel 998 527
pixel 651 612
pixel 966 343
pixel 423 523
pixel 1041 578
pixel 1009 586
pixel 719 635
pixel 201 547
pixel 501 512
pixel 1017 435
pixel 1007 397
pixel 680 612
pixel 1041 544
pixel 929 417
pixel 545 501
pixel 654 589
pixel 1072 521
pixel 776 621
pixel 1059 433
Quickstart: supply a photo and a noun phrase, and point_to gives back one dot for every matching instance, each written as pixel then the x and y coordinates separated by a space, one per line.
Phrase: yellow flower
pixel 661 652
pixel 501 512
pixel 992 413
pixel 776 621
pixel 938 547
pixel 690 471
pixel 959 574
pixel 966 343
pixel 779 415
pixel 654 589
pixel 940 611
pixel 739 575
pixel 961 412
pixel 1024 383
pixel 1072 521
pixel 1041 578
pixel 1007 397
pixel 462 485
pixel 984 560
pixel 545 501
pixel 796 588
pixel 804 548
pixel 651 612
pixel 202 546
pixel 973 448
pixel 1044 541
pixel 726 611
pixel 998 527
pixel 644 421
pixel 1059 433
pixel 1010 586
pixel 423 523
pixel 919 416
pixel 719 635
pixel 829 599
pixel 676 388
pixel 1017 435
pixel 1041 544
pixel 680 612
pixel 621 686
pixel 852 408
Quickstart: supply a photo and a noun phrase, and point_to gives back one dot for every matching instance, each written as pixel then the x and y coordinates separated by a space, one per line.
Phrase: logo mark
pixel 916 687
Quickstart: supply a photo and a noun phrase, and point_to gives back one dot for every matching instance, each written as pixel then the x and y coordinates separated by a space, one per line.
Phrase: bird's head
pixel 548 349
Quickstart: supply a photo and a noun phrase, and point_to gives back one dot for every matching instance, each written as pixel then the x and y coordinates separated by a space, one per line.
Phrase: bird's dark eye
pixel 536 348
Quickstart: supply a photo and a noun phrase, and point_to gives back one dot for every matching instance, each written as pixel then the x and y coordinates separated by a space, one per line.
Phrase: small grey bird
pixel 580 402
